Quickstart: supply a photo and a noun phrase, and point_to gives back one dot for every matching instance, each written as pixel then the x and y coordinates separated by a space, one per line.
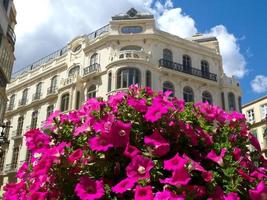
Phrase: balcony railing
pixel 90 69
pixel 51 90
pixel 23 102
pixel 13 167
pixel 36 96
pixel 69 80
pixel 192 71
pixel 131 54
pixel 11 35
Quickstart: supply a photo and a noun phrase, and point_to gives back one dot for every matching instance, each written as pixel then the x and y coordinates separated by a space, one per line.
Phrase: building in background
pixel 256 114
pixel 7 43
pixel 129 50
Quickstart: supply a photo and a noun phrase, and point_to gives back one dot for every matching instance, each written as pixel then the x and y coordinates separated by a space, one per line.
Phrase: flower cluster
pixel 142 145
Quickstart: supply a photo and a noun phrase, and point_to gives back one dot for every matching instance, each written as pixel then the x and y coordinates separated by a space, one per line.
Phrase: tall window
pixel 188 94
pixel 11 102
pixel 240 104
pixel 223 101
pixel 206 97
pixel 204 68
pixel 15 157
pixel 24 97
pixel 109 81
pixel 263 109
pixel 94 59
pixel 20 125
pixel 77 103
pixel 54 82
pixel 231 101
pixel 251 116
pixel 148 78
pixel 7 129
pixel 187 63
pixel 49 110
pixel 65 102
pixel 91 92
pixel 167 54
pixel 127 77
pixel 2 160
pixel 34 119
pixel 38 91
pixel 74 71
pixel 168 86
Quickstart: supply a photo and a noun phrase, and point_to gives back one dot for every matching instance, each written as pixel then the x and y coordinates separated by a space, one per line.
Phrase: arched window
pixel 53 86
pixel 148 78
pixel 188 94
pixel 74 71
pixel 65 102
pixel 168 86
pixel 94 59
pixel 49 110
pixel 91 92
pixel 77 104
pixel 206 97
pixel 109 81
pixel 20 125
pixel 131 48
pixel 205 68
pixel 231 101
pixel 11 102
pixel 7 129
pixel 23 100
pixel 37 94
pixel 187 63
pixel 127 77
pixel 167 54
pixel 34 119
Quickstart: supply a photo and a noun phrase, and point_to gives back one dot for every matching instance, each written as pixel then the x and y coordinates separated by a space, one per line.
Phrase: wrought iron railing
pixel 51 90
pixel 187 70
pixel 90 69
pixel 98 32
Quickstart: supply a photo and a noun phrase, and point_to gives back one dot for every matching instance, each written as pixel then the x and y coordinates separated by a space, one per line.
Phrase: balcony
pixel 68 81
pixel 13 167
pixel 131 55
pixel 23 102
pixel 192 71
pixel 91 69
pixel 11 35
pixel 36 96
pixel 51 90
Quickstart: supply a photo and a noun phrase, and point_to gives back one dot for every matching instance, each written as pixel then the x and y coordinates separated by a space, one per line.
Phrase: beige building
pixel 7 42
pixel 129 50
pixel 256 114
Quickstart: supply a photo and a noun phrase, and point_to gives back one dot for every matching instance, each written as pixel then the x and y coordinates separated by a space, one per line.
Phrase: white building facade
pixel 129 50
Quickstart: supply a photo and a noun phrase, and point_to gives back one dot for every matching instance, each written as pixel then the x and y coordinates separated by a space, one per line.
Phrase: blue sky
pixel 240 26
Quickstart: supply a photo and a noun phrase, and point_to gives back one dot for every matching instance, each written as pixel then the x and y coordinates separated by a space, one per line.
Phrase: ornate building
pixel 256 114
pixel 129 50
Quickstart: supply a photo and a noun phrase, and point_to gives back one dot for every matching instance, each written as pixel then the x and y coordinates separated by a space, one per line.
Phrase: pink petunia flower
pixel 231 196
pixel 37 195
pixel 139 167
pixel 142 193
pixel 88 188
pixel 137 104
pixel 175 163
pixel 37 141
pixel 131 151
pixel 217 158
pixel 167 195
pixel 237 153
pixel 259 193
pixel 100 143
pixel 160 146
pixel 124 185
pixel 179 177
pixel 75 156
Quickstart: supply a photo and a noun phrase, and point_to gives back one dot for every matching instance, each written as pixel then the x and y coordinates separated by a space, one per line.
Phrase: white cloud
pixel 46 25
pixel 259 84
pixel 234 63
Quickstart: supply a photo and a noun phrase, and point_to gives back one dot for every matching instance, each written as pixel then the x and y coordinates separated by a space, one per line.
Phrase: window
pixel 23 100
pixel 34 119
pixel 5 3
pixel 109 81
pixel 11 102
pixel 53 86
pixel 231 101
pixel 127 77
pixel 188 94
pixel 74 71
pixel 65 102
pixel 131 29
pixel 148 78
pixel 15 157
pixel 94 59
pixel 263 111
pixel 20 125
pixel 37 94
pixel 77 48
pixel 168 86
pixel 7 129
pixel 206 97
pixel 205 68
pixel 77 103
pixel 2 160
pixel 167 55
pixel 187 63
pixel 91 92
pixel 223 101
pixel 251 116
pixel 240 104
pixel 49 110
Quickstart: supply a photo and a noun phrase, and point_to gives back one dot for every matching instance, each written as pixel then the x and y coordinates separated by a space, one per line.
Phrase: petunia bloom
pixel 217 158
pixel 259 193
pixel 143 193
pixel 124 185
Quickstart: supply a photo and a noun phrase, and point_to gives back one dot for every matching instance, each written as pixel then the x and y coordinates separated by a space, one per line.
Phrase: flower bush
pixel 142 145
